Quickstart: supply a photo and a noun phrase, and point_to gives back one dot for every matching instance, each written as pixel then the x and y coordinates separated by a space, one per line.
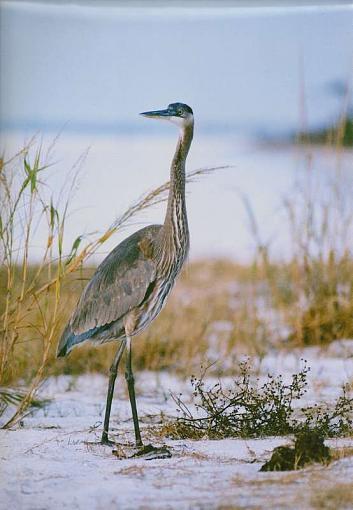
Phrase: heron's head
pixel 178 113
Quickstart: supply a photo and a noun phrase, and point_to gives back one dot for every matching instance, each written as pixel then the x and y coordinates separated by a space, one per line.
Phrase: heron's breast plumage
pixel 168 269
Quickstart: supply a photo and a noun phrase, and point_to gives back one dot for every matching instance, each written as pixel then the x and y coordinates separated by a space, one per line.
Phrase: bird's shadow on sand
pixel 123 451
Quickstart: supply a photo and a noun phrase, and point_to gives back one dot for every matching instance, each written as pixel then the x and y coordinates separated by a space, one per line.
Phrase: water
pixel 118 169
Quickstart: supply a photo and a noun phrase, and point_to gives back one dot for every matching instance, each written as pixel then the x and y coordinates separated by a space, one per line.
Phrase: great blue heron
pixel 130 287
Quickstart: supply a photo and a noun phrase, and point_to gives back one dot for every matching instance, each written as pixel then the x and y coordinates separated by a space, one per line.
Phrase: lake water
pixel 118 169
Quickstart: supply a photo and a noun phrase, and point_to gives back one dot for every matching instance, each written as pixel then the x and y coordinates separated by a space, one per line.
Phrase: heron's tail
pixel 66 342
pixel 68 339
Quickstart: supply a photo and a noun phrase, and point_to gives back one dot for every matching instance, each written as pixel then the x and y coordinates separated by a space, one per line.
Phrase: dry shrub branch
pixel 248 408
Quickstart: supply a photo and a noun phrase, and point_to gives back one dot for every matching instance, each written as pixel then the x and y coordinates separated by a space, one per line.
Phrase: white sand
pixel 46 462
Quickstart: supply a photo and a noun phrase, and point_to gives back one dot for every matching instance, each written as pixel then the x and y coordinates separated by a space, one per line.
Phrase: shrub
pixel 250 409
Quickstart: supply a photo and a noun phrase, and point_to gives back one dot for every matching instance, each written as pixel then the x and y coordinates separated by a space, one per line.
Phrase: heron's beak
pixel 157 114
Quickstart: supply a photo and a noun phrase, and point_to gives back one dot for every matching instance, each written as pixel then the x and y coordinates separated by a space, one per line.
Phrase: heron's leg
pixel 129 376
pixel 112 376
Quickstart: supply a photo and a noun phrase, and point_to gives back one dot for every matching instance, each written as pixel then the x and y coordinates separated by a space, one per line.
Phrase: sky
pixel 95 68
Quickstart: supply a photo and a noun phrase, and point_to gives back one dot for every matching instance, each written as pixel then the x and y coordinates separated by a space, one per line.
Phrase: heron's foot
pixel 106 441
pixel 150 452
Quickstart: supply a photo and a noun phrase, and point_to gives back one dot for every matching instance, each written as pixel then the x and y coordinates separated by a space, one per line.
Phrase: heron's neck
pixel 175 223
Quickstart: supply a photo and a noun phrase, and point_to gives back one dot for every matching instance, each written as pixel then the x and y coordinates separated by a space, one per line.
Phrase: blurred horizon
pixel 250 74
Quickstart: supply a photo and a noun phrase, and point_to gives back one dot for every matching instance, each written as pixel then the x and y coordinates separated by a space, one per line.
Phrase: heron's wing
pixel 119 284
